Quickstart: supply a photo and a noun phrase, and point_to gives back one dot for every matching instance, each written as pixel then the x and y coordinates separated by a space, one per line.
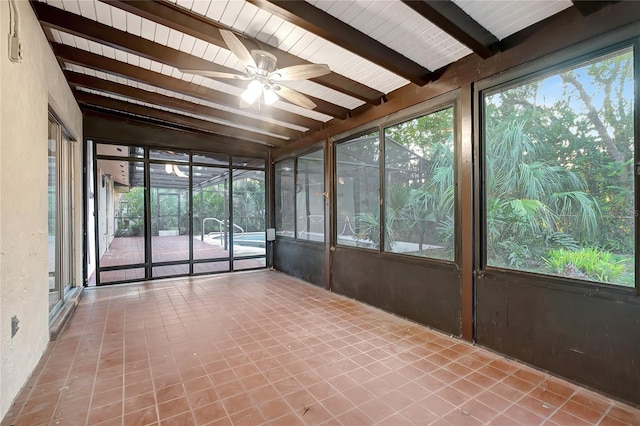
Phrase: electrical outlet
pixel 15 48
pixel 14 325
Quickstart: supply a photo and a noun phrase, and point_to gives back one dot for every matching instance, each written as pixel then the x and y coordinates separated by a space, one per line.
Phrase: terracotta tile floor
pixel 263 348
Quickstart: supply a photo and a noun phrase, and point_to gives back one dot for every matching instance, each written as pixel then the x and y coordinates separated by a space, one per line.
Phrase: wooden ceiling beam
pixel 322 24
pixel 566 29
pixel 111 66
pixel 168 118
pixel 108 126
pixel 450 18
pixel 82 80
pixel 185 21
pixel 50 16
pixel 587 7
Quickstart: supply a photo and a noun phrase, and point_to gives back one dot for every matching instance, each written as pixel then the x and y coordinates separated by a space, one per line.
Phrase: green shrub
pixel 592 263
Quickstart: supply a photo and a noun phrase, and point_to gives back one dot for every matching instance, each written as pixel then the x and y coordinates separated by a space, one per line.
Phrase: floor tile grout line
pixel 68 376
pixel 95 378
pixel 356 338
pixel 606 413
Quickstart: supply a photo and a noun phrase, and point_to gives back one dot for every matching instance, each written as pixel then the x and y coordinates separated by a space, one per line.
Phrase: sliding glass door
pixel 211 238
pixel 166 213
pixel 248 219
pixel 169 184
pixel 61 210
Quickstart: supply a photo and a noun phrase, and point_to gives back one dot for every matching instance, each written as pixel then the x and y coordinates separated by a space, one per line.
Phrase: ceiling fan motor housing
pixel 265 62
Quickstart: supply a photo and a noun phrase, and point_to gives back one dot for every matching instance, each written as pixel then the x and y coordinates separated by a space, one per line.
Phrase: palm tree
pixel 531 201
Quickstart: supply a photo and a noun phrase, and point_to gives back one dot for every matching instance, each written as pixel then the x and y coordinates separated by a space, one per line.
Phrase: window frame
pixel 148 265
pixel 324 192
pixel 450 99
pixel 65 248
pixel 334 187
pixel 278 187
pixel 452 103
pixel 314 148
pixel 544 67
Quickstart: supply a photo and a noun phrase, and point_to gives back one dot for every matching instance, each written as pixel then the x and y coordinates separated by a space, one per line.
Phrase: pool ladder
pixel 222 226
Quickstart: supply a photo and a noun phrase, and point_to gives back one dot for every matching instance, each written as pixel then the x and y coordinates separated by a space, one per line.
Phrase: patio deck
pixel 131 250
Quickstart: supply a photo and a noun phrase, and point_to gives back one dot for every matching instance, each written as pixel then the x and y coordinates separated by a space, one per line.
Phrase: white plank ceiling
pixel 390 22
pixel 504 18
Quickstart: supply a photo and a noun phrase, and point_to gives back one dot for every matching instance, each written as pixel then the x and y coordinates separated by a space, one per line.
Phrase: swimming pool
pixel 251 239
pixel 247 239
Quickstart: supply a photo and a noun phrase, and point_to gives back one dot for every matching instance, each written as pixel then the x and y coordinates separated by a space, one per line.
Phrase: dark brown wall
pixel 426 292
pixel 300 259
pixel 586 335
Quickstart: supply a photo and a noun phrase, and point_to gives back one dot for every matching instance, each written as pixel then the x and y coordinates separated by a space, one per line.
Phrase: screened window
pixel 419 186
pixel 249 216
pixel 285 198
pixel 358 191
pixel 310 196
pixel 558 170
pixel 300 197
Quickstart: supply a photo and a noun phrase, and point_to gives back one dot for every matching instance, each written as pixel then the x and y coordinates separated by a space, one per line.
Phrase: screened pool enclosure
pixel 164 213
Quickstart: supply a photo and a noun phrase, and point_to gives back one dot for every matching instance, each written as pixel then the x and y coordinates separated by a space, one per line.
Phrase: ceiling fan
pixel 260 69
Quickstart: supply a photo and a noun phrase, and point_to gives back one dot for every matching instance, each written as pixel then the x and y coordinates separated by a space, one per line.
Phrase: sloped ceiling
pixel 123 57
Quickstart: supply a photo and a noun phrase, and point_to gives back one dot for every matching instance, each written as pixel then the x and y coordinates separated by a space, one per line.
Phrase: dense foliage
pixel 558 172
pixel 170 208
pixel 557 168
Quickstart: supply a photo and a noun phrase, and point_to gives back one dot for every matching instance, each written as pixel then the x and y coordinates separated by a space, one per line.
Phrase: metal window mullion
pixel 72 213
pixel 230 221
pixel 636 66
pixel 295 198
pixel 96 211
pixel 59 246
pixel 190 214
pixel 269 206
pixel 147 214
pixel 329 208
pixel 381 187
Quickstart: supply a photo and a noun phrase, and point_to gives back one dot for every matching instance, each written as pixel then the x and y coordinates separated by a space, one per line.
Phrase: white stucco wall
pixel 27 89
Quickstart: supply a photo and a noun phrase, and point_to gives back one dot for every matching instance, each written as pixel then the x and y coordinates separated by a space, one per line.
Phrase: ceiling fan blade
pixel 294 97
pixel 238 49
pixel 300 72
pixel 216 74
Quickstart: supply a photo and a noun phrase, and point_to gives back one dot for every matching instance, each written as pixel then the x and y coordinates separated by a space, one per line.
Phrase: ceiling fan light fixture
pixel 179 172
pixel 260 68
pixel 253 92
pixel 270 96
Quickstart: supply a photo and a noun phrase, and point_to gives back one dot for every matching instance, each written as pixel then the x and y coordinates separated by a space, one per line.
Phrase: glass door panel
pixel 61 249
pixel 210 213
pixel 53 231
pixel 169 212
pixel 248 218
pixel 121 224
pixel 66 197
pixel 310 197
